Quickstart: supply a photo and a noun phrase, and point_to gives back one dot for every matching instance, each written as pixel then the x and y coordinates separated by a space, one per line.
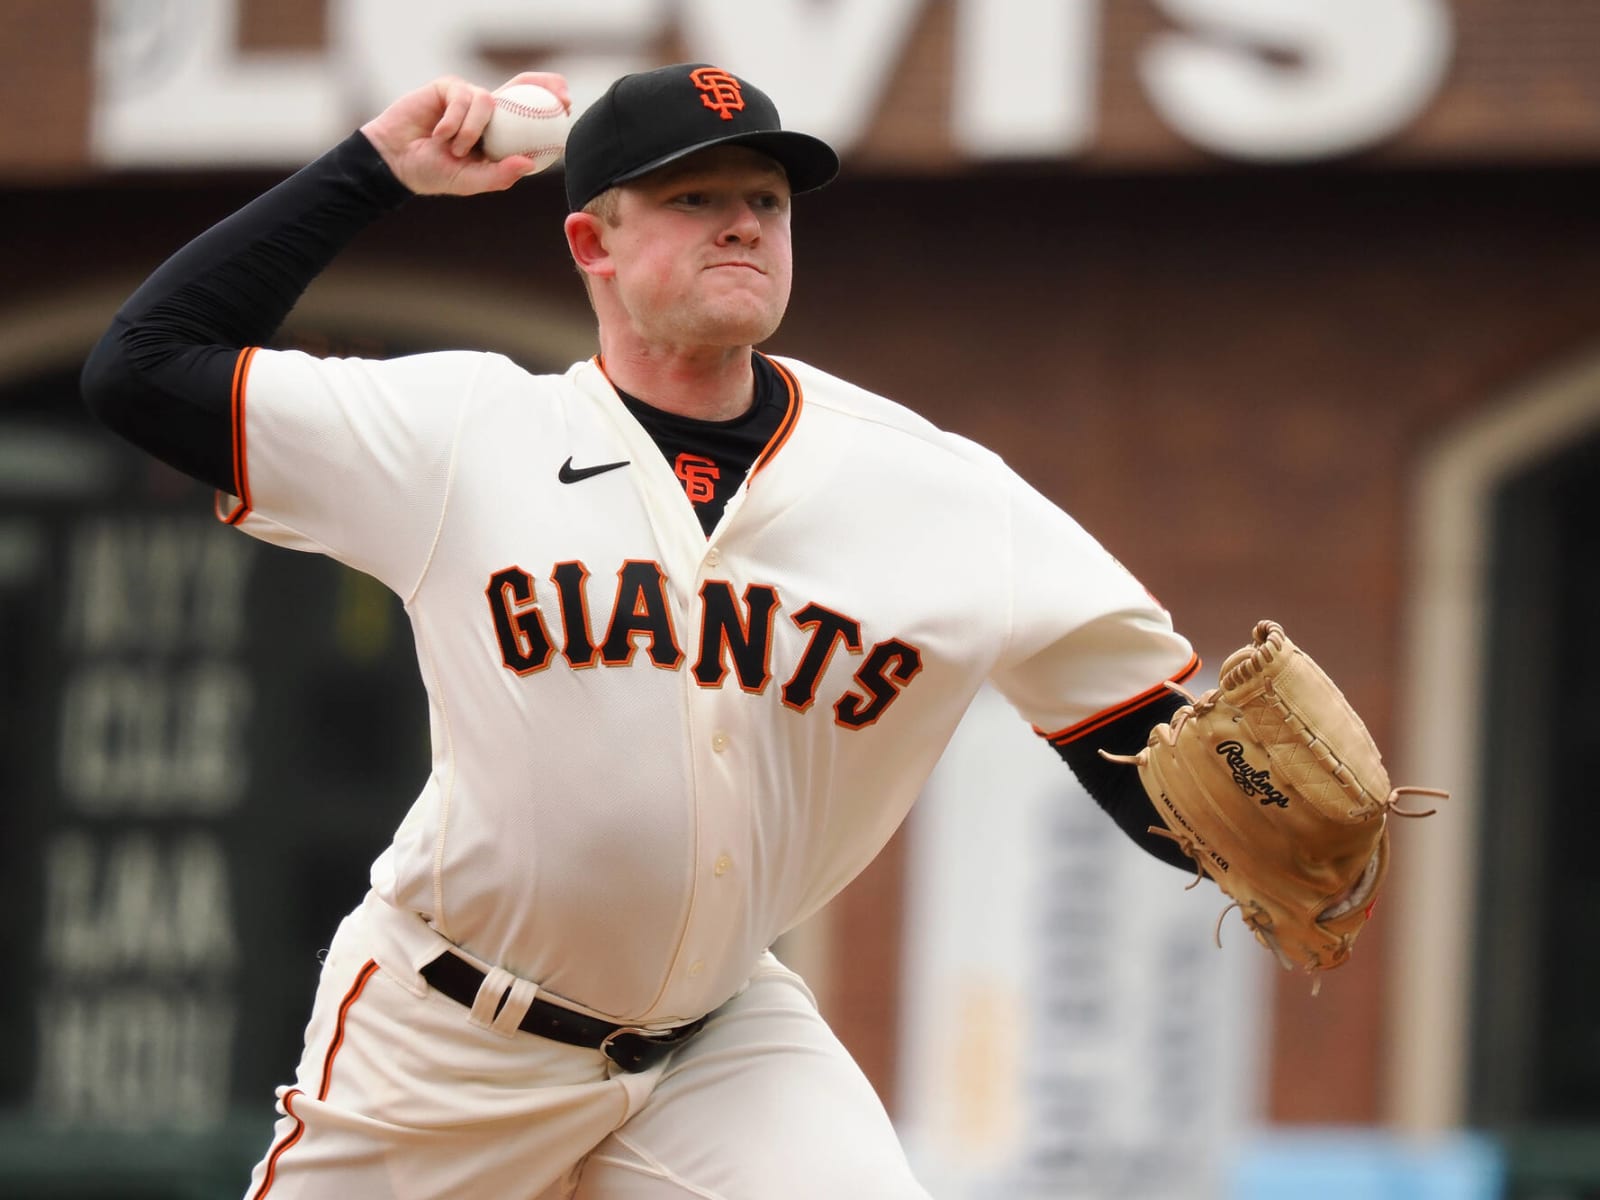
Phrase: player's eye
pixel 690 199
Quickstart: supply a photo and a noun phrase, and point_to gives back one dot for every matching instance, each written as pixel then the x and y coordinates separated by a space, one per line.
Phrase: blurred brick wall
pixel 45 85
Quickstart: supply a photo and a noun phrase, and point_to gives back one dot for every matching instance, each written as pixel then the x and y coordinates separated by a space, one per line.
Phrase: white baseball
pixel 529 120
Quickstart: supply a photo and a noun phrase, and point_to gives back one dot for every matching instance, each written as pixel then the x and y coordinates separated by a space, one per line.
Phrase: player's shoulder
pixel 502 368
pixel 890 419
pixel 461 366
pixel 852 401
pixel 486 378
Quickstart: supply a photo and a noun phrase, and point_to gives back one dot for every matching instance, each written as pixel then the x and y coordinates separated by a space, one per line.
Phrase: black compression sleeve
pixel 1115 786
pixel 162 374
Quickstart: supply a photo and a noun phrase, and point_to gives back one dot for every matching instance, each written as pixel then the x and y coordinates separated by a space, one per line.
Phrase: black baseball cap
pixel 651 118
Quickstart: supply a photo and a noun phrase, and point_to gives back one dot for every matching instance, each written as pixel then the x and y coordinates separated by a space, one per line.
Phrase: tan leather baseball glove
pixel 1273 785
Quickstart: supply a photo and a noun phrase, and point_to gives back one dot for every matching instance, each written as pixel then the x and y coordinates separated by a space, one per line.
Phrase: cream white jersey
pixel 654 751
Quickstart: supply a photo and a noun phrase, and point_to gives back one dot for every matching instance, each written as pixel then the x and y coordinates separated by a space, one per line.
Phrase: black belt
pixel 631 1048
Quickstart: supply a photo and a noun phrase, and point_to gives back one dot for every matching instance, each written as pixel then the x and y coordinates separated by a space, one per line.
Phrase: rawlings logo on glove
pixel 1272 784
pixel 1251 782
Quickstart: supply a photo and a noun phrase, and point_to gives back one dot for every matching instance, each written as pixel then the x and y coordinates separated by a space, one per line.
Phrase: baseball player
pixel 695 623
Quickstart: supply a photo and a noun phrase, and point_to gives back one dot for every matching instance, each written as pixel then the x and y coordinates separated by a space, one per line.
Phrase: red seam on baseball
pixel 517 108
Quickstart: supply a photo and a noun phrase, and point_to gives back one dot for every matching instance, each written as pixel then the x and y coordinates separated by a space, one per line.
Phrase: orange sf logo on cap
pixel 719 91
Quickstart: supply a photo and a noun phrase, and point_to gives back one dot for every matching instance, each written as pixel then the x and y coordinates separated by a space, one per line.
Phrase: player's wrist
pixel 367 166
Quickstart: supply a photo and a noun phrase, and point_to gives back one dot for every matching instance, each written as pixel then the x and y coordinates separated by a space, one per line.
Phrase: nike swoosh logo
pixel 572 474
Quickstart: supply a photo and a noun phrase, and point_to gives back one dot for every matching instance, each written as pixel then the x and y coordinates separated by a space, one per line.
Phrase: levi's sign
pixel 1264 80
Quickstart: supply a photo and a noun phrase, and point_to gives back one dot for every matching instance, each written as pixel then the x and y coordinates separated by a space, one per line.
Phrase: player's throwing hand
pixel 429 137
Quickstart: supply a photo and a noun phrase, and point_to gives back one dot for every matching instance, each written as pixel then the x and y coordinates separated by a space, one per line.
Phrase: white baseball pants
pixel 402 1093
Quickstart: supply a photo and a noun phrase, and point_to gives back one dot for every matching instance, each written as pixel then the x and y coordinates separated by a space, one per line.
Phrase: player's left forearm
pixel 1118 790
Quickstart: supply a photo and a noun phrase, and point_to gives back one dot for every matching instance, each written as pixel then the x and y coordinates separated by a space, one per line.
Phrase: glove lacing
pixel 1391 803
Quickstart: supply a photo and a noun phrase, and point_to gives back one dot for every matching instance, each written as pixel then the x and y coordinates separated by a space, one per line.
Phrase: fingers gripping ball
pixel 1272 784
pixel 529 120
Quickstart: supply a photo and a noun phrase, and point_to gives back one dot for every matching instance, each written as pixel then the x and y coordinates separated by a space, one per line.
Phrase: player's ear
pixel 586 240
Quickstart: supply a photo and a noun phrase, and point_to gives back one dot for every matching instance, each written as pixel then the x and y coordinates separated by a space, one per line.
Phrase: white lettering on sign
pixel 1357 71
pixel 392 46
pixel 147 586
pixel 133 1057
pixel 154 720
pixel 174 88
pixel 138 949
pixel 826 65
pixel 1254 79
pixel 1027 96
pixel 155 740
pixel 134 902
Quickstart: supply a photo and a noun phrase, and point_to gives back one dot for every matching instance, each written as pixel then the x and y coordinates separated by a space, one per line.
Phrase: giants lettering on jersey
pixel 735 637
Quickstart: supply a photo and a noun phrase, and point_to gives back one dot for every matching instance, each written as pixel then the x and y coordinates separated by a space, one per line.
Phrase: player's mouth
pixel 749 266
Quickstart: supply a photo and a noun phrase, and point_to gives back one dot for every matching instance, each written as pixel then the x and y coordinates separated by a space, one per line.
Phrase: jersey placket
pixel 721 741
pixel 717 735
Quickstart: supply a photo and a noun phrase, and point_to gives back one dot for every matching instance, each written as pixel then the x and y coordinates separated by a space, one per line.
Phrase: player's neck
pixel 707 383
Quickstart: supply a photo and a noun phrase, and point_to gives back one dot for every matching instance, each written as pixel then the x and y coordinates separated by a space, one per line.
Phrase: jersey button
pixel 724 865
pixel 713 557
pixel 719 741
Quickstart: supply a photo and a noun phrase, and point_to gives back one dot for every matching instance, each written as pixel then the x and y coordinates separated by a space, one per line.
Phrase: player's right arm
pixel 163 373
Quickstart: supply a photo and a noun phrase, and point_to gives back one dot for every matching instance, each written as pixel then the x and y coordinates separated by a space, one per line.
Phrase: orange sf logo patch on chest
pixel 699 475
pixel 719 91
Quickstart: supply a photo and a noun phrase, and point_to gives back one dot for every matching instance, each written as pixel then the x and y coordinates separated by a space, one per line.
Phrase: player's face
pixel 701 250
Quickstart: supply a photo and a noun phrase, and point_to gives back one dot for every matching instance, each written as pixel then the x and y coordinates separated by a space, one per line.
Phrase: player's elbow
pixel 103 381
pixel 120 382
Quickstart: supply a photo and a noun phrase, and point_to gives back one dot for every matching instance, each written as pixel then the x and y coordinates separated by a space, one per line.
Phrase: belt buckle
pixel 658 1037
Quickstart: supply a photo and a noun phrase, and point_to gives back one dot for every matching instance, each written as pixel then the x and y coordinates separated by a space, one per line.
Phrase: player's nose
pixel 743 224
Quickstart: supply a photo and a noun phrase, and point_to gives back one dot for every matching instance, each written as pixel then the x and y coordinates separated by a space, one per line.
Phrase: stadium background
pixel 1341 367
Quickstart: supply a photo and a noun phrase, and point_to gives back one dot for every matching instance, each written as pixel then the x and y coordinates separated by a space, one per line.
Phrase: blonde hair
pixel 607 206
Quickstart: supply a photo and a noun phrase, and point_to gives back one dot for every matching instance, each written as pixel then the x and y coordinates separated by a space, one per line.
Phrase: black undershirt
pixel 1116 786
pixel 711 458
pixel 162 375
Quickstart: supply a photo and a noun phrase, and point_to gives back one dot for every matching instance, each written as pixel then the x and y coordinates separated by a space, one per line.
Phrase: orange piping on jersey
pixel 241 471
pixel 277 1151
pixel 791 418
pixel 366 973
pixel 1103 718
pixel 781 435
pixel 230 516
pixel 350 998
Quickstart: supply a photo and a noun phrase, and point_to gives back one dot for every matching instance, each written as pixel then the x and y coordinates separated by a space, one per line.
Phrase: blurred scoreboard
pixel 206 740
